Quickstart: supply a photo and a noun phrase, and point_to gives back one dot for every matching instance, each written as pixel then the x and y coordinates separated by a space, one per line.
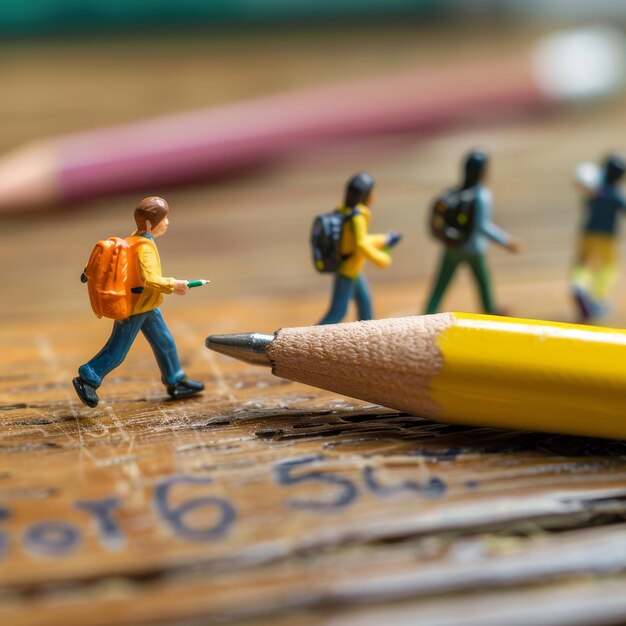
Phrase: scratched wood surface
pixel 262 501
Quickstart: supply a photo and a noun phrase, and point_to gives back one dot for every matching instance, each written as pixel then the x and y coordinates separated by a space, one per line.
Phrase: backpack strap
pixel 348 217
pixel 354 211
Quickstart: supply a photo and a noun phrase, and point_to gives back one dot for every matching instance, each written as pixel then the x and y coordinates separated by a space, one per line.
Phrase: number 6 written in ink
pixel 175 515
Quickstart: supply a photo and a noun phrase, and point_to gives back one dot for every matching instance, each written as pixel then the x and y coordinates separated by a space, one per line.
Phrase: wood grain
pixel 262 501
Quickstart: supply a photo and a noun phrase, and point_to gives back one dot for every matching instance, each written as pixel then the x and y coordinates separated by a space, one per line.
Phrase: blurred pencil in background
pixel 564 68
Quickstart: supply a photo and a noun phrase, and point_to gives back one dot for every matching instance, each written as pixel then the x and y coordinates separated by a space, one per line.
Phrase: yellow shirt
pixel 358 246
pixel 153 283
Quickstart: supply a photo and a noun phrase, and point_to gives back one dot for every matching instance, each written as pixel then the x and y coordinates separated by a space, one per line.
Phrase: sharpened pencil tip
pixel 248 347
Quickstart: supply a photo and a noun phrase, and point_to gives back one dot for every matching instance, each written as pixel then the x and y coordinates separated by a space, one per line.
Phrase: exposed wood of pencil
pixel 389 362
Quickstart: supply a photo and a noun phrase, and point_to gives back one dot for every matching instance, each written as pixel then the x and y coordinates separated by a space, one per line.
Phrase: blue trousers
pixel 152 325
pixel 345 290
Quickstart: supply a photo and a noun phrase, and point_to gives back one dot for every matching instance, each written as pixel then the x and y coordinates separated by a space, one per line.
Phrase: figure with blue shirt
pixel 137 290
pixel 595 269
pixel 471 250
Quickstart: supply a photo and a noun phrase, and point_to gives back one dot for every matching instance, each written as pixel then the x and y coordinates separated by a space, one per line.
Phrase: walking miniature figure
pixel 125 284
pixel 461 220
pixel 341 245
pixel 595 268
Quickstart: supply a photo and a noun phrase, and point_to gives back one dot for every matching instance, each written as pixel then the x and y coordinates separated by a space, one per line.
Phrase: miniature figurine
pixel 342 245
pixel 595 268
pixel 125 284
pixel 461 219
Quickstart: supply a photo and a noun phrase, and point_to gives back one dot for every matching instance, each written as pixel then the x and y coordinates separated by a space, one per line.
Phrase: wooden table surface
pixel 262 501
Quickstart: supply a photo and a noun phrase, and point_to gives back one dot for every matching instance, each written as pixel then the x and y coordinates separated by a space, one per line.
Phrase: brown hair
pixel 152 209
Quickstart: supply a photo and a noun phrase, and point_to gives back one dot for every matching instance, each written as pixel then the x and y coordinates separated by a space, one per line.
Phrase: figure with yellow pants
pixel 356 247
pixel 596 268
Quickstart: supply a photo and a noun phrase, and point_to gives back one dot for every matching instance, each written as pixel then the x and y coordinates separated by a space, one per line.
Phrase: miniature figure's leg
pixel 449 263
pixel 114 351
pixel 363 299
pixel 164 347
pixel 343 291
pixel 581 278
pixel 581 275
pixel 480 270
pixel 605 277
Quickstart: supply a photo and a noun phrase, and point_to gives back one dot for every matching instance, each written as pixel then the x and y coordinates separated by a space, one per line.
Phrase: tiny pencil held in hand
pixel 198 283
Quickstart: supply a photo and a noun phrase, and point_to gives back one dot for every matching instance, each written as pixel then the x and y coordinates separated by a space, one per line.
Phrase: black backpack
pixel 326 240
pixel 452 216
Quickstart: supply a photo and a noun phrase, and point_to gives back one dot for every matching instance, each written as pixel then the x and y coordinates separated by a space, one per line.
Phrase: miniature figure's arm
pixel 366 243
pixel 148 268
pixel 483 220
pixel 378 240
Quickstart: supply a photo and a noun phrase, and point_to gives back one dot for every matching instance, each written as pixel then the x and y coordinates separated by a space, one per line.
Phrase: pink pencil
pixel 199 144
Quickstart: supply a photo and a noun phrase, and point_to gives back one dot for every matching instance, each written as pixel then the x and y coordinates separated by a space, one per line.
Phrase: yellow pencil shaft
pixel 532 375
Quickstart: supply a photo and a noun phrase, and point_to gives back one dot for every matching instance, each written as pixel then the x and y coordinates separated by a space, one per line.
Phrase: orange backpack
pixel 113 277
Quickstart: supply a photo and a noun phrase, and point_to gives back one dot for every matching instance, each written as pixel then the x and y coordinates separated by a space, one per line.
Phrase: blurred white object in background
pixel 588 176
pixel 581 64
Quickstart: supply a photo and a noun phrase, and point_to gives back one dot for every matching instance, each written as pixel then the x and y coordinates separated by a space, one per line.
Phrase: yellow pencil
pixel 459 368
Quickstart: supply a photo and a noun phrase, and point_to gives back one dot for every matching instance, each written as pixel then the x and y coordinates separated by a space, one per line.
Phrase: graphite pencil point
pixel 248 347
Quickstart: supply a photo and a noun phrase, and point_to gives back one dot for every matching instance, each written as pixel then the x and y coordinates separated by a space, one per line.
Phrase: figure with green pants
pixel 470 249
